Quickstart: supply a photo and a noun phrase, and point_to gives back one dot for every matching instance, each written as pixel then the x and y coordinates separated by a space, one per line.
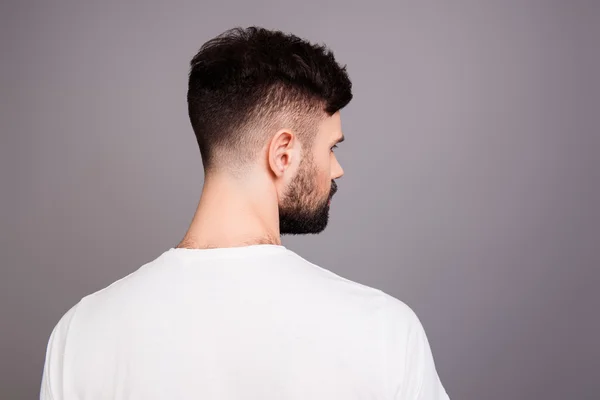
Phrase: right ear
pixel 281 152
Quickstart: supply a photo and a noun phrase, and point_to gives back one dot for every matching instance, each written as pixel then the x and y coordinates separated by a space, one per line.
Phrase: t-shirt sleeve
pixel 411 368
pixel 51 387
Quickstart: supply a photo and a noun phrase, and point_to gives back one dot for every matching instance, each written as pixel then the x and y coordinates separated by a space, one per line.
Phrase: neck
pixel 234 212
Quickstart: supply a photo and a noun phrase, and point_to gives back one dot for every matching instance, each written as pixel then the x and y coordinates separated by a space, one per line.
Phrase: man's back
pixel 255 322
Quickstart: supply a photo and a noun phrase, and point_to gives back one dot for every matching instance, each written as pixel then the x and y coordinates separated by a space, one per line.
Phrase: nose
pixel 337 170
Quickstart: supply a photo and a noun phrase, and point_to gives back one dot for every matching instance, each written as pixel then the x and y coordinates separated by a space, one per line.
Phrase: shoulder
pixel 396 318
pixel 402 327
pixel 58 336
pixel 61 329
pixel 397 310
pixel 55 351
pixel 411 367
pixel 330 277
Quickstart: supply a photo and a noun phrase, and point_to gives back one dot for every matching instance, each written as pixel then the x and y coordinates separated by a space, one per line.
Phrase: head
pixel 262 99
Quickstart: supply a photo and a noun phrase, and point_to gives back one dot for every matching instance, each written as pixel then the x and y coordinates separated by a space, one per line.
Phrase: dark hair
pixel 246 82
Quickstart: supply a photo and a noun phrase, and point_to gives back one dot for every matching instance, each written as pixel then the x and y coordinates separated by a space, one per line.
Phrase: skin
pixel 285 181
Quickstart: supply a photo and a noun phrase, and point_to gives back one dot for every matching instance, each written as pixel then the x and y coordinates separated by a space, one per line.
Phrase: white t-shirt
pixel 256 322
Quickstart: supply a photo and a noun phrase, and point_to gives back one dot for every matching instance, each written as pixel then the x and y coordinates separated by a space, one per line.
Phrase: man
pixel 230 313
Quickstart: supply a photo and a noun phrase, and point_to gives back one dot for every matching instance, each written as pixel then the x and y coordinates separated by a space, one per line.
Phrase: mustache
pixel 334 189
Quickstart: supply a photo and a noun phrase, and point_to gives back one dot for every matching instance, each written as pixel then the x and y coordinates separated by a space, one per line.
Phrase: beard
pixel 304 210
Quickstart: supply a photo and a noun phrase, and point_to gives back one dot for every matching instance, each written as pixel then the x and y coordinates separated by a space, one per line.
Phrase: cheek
pixel 327 161
pixel 325 179
pixel 322 176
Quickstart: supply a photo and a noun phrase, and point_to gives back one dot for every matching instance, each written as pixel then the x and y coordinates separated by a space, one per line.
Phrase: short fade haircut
pixel 246 84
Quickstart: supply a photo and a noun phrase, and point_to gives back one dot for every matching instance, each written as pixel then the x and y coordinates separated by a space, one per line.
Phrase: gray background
pixel 472 170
